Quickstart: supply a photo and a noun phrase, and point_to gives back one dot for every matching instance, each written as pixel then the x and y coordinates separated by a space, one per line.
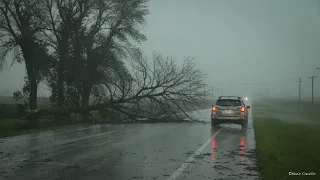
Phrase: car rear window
pixel 228 102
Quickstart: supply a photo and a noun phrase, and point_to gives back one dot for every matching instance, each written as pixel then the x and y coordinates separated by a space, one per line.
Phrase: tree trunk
pixel 63 50
pixel 60 91
pixel 85 101
pixel 28 50
pixel 33 120
pixel 58 118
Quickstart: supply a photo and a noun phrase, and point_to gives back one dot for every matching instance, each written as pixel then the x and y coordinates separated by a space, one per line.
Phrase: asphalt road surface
pixel 161 151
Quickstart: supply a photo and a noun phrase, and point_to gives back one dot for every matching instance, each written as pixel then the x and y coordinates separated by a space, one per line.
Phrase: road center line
pixel 191 158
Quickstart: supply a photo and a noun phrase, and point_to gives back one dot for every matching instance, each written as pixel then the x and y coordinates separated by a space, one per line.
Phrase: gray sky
pixel 259 43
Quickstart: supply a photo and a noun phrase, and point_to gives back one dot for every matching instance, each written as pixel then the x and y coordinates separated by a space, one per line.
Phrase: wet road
pixel 165 151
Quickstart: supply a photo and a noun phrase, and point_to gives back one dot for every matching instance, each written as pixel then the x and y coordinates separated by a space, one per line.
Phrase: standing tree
pixel 21 25
pixel 88 37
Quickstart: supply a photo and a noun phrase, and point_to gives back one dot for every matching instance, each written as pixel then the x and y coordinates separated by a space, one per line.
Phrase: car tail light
pixel 243 109
pixel 214 109
pixel 241 141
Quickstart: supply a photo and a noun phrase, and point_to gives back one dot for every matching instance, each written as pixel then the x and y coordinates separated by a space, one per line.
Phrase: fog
pixel 243 46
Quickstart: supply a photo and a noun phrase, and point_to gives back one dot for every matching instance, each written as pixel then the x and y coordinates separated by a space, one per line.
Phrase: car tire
pixel 213 124
pixel 244 125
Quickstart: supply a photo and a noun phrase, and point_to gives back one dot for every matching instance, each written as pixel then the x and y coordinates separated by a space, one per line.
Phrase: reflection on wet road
pixel 137 151
pixel 230 156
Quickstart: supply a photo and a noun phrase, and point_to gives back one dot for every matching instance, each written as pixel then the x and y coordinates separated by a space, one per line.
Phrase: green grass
pixel 283 147
pixel 14 128
pixel 307 110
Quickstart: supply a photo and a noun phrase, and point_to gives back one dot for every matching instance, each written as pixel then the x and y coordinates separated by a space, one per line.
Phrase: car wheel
pixel 213 124
pixel 244 125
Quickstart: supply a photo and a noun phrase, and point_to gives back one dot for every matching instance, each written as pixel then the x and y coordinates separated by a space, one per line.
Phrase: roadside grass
pixel 284 147
pixel 11 127
pixel 306 110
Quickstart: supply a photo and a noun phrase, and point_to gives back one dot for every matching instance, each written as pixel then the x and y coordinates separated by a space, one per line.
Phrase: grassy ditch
pixel 284 147
pixel 14 127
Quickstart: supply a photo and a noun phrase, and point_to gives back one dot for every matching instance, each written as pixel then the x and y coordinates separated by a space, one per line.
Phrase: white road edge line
pixel 191 158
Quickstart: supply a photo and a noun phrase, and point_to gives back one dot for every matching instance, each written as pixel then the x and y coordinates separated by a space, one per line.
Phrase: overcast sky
pixel 243 45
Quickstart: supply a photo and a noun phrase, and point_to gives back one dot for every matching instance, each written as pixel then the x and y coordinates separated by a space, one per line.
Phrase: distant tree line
pixel 84 50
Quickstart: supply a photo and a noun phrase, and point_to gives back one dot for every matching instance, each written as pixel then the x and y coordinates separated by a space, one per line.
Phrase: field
pixel 287 139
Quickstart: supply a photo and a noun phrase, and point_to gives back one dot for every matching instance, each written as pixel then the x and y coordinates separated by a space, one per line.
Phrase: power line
pixel 276 82
pixel 312 82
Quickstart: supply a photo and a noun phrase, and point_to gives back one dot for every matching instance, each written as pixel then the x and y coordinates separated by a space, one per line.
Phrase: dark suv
pixel 229 109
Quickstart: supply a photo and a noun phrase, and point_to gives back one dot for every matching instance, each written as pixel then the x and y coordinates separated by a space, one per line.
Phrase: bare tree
pixel 153 88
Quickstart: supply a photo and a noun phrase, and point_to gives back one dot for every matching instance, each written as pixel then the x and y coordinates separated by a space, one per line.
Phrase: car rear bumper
pixel 228 121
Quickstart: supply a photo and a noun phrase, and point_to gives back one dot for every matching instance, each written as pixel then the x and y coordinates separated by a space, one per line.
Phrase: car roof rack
pixel 230 97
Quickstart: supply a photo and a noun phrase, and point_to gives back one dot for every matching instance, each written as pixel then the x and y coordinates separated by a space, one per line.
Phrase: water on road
pixel 160 151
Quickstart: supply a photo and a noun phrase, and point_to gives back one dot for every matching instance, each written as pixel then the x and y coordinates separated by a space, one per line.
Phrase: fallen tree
pixel 160 84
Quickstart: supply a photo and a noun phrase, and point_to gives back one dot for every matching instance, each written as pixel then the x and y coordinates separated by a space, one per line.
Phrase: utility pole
pixel 312 82
pixel 266 93
pixel 212 92
pixel 204 91
pixel 218 91
pixel 300 81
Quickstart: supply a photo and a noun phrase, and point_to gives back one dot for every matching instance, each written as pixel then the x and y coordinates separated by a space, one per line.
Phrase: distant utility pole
pixel 266 93
pixel 212 92
pixel 218 91
pixel 300 81
pixel 204 91
pixel 312 82
pixel 222 91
